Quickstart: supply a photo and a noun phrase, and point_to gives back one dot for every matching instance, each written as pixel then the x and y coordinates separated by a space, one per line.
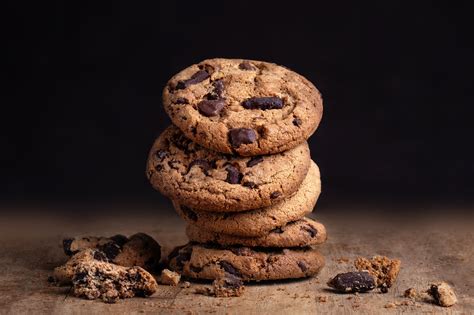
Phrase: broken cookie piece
pixel 109 282
pixel 443 294
pixel 383 269
pixel 170 277
pixel 227 286
pixel 138 250
pixel 351 282
pixel 64 274
pixel 410 293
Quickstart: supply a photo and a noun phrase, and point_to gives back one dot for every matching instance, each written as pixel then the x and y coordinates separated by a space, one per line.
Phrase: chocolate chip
pixel 352 282
pixel 199 76
pixel 239 136
pixel 384 288
pixel 250 185
pixel 181 100
pixel 119 239
pixel 100 256
pixel 195 269
pixel 80 277
pixel 67 246
pixel 232 282
pixel 217 91
pixel 203 164
pixel 158 168
pixel 254 161
pixel 263 103
pixel 302 266
pixel 211 107
pixel 189 213
pixel 245 65
pixel 297 121
pixel 111 250
pixel 161 154
pixel 277 230
pixel 233 175
pixel 312 231
pixel 229 268
pixel 275 194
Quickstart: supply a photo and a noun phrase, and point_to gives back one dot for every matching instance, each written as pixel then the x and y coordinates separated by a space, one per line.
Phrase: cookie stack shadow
pixel 238 169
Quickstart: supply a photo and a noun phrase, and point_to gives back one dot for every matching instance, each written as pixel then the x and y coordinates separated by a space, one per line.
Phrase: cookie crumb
pixel 410 293
pixel 170 277
pixel 383 269
pixel 186 284
pixel 342 260
pixel 390 305
pixel 443 294
pixel 228 286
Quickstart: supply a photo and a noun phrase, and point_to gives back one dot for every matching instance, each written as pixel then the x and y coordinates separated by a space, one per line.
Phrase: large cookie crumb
pixel 170 277
pixel 227 286
pixel 384 269
pixel 443 294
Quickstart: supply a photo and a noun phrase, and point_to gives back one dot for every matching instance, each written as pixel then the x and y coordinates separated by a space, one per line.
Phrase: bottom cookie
pixel 204 261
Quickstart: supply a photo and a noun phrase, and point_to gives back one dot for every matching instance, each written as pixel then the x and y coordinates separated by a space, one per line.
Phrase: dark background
pixel 82 99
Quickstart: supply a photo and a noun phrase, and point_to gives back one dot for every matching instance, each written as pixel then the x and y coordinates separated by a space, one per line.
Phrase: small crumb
pixel 390 305
pixel 228 286
pixel 443 294
pixel 349 297
pixel 322 299
pixel 186 284
pixel 170 277
pixel 410 293
pixel 342 260
pixel 280 289
pixel 384 288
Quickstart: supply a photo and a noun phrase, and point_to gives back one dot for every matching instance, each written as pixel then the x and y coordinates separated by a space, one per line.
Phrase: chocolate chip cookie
pixel 299 233
pixel 138 250
pixel 211 181
pixel 258 223
pixel 245 107
pixel 205 261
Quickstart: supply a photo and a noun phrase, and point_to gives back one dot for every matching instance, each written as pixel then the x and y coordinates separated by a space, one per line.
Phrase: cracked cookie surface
pixel 246 107
pixel 303 232
pixel 210 181
pixel 259 222
pixel 204 261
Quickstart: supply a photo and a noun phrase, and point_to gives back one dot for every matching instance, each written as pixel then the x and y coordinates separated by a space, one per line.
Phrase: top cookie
pixel 244 107
pixel 206 180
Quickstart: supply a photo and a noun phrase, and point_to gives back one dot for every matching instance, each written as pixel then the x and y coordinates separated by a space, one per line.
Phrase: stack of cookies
pixel 238 168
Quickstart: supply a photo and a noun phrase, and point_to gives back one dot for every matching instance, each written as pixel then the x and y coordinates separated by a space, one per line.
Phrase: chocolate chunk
pixel 250 185
pixel 80 277
pixel 312 231
pixel 254 161
pixel 100 256
pixel 355 281
pixel 245 65
pixel 275 194
pixel 67 246
pixel 161 154
pixel 263 103
pixel 239 136
pixel 182 100
pixel 241 251
pixel 297 121
pixel 203 164
pixel 189 213
pixel 217 91
pixel 111 250
pixel 199 76
pixel 227 266
pixel 181 254
pixel 119 239
pixel 233 175
pixel 302 266
pixel 158 167
pixel 211 107
pixel 384 288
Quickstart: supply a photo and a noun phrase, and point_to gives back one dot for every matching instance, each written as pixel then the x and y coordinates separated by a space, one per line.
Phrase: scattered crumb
pixel 281 289
pixel 384 269
pixel 322 299
pixel 443 294
pixel 228 286
pixel 390 305
pixel 186 284
pixel 342 260
pixel 384 288
pixel 349 297
pixel 410 293
pixel 170 277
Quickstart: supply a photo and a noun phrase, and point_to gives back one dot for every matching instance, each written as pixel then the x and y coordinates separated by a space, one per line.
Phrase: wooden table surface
pixel 434 247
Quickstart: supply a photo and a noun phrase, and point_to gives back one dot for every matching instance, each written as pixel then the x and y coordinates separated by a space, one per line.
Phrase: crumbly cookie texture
pixel 138 250
pixel 443 294
pixel 110 282
pixel 170 277
pixel 227 286
pixel 246 107
pixel 258 223
pixel 383 269
pixel 210 181
pixel 301 233
pixel 206 261
pixel 64 274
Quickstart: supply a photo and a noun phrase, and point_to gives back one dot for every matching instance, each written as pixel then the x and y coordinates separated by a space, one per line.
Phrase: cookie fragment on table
pixel 383 269
pixel 226 286
pixel 170 277
pixel 443 294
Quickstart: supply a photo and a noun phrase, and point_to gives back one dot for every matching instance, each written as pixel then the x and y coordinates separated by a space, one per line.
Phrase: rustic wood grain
pixel 434 248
